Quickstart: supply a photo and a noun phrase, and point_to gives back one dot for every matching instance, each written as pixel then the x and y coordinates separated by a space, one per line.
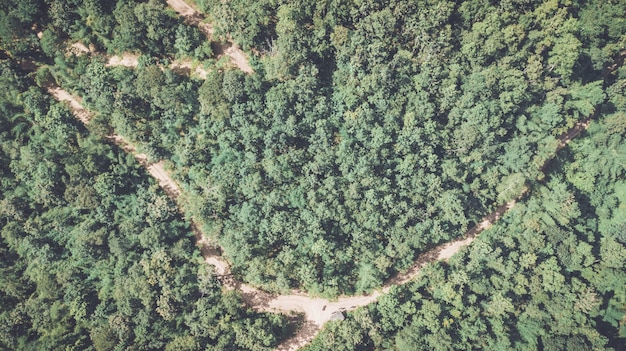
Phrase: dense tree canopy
pixel 374 130
pixel 549 276
pixel 93 255
pixel 369 132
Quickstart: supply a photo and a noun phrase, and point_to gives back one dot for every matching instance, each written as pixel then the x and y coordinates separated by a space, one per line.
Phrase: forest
pixel 369 132
pixel 548 276
pixel 94 256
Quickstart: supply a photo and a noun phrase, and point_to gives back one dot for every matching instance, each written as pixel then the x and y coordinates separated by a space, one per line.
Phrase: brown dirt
pixel 183 8
pixel 126 60
pixel 75 103
pixel 77 49
pixel 572 133
pixel 318 311
pixel 131 60
pixel 237 56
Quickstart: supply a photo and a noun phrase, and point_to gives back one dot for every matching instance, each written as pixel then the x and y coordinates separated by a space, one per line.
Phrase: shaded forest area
pixel 370 132
pixel 93 255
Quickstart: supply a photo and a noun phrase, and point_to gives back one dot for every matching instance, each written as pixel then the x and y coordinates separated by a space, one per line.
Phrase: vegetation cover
pixel 369 132
pixel 94 256
pixel 372 130
pixel 548 276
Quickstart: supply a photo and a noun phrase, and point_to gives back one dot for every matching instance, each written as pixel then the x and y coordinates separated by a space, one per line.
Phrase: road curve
pixel 317 311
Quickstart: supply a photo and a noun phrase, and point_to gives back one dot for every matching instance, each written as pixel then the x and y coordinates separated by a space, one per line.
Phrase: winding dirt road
pixel 74 102
pixel 127 60
pixel 237 57
pixel 157 170
pixel 317 311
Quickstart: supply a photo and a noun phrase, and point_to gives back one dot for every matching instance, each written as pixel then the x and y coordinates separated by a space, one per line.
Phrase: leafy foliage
pixel 94 256
pixel 548 276
pixel 370 132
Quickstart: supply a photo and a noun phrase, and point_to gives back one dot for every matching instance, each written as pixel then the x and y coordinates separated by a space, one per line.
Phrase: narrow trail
pixel 237 57
pixel 572 133
pixel 193 17
pixel 320 311
pixel 230 49
pixel 127 60
pixel 75 103
pixel 156 170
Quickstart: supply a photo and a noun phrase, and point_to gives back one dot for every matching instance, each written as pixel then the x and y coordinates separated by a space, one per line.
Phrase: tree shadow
pixel 306 331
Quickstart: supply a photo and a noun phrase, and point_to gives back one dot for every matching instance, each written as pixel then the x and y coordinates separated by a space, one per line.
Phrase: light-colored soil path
pixel 131 61
pixel 317 311
pixel 185 10
pixel 75 103
pixel 237 56
pixel 79 48
pixel 166 182
pixel 572 133
pixel 157 170
pixel 126 60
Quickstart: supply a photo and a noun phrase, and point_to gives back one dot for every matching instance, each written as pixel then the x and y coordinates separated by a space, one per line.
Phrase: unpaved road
pixel 78 49
pixel 185 10
pixel 572 133
pixel 131 60
pixel 157 170
pixel 237 56
pixel 126 60
pixel 317 311
pixel 75 104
